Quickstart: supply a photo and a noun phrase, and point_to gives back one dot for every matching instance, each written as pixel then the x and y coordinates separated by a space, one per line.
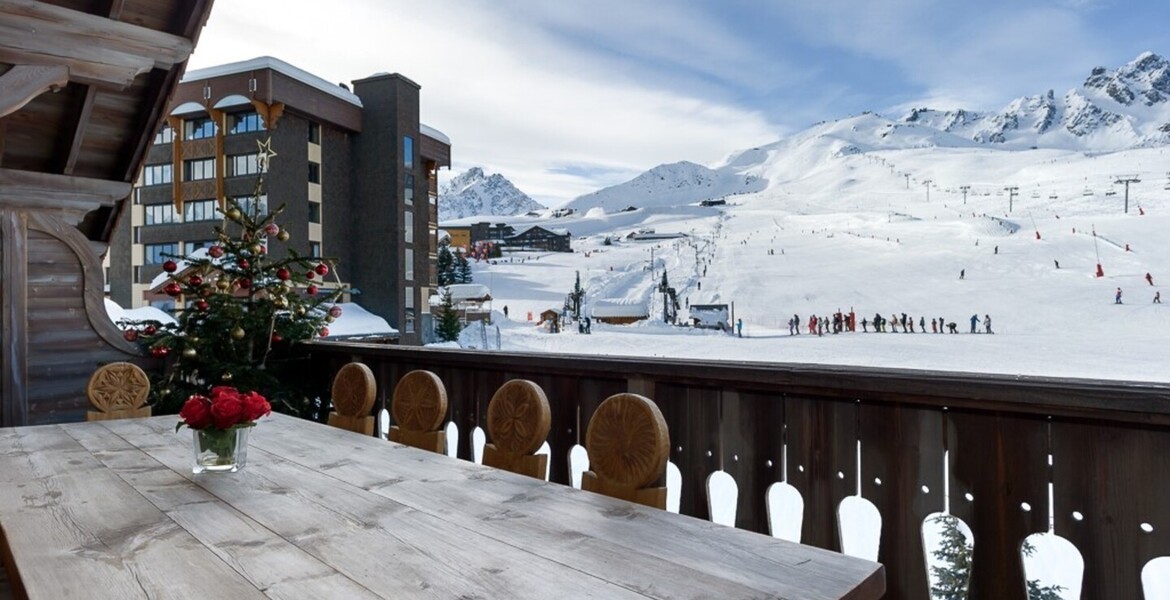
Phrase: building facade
pixel 355 172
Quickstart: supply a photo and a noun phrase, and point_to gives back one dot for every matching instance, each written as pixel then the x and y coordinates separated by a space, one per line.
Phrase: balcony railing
pixel 987 449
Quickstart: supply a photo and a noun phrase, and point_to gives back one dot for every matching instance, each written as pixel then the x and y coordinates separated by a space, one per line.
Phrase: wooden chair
pixel 118 391
pixel 628 446
pixel 518 420
pixel 354 389
pixel 419 406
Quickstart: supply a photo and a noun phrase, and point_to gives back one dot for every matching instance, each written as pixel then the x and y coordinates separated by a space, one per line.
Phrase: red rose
pixel 255 406
pixel 227 411
pixel 196 412
pixel 221 391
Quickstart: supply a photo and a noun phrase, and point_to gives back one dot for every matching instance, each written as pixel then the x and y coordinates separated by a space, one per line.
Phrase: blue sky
pixel 566 97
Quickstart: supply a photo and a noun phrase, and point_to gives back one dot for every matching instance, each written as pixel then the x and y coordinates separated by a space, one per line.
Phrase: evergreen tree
pixel 449 326
pixel 1035 590
pixel 577 297
pixel 445 265
pixel 954 577
pixel 243 309
pixel 462 270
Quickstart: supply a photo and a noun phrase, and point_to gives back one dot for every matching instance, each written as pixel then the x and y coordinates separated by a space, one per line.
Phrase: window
pixel 254 207
pixel 197 244
pixel 200 210
pixel 314 172
pixel 156 174
pixel 243 164
pixel 408 267
pixel 159 214
pixel 165 135
pixel 408 152
pixel 314 212
pixel 408 190
pixel 157 254
pixel 245 122
pixel 314 133
pixel 408 324
pixel 197 129
pixel 315 249
pixel 409 302
pixel 198 168
pixel 408 227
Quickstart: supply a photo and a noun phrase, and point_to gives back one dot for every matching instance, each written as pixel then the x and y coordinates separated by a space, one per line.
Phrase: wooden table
pixel 111 510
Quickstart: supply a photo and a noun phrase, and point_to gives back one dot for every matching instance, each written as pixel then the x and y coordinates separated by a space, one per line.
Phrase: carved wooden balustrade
pixel 891 435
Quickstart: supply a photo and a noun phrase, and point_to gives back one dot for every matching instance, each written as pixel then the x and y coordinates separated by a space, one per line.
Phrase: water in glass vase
pixel 219 450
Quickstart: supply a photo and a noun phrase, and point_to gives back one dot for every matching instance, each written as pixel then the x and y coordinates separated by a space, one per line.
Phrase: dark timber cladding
pixel 83 85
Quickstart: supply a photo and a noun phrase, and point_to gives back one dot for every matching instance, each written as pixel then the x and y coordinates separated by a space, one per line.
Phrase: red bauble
pixel 196 280
pixel 149 330
pixel 244 282
pixel 203 305
pixel 322 269
pixel 276 338
pixel 335 311
pixel 272 229
pixel 170 266
pixel 310 275
pixel 283 274
pixel 172 289
pixel 244 264
pixel 130 335
pixel 323 332
pixel 215 251
pixel 160 351
pixel 312 290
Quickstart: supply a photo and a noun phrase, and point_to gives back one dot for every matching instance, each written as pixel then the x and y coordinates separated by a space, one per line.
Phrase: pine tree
pixel 576 298
pixel 1035 590
pixel 462 270
pixel 449 326
pixel 445 266
pixel 244 308
pixel 953 578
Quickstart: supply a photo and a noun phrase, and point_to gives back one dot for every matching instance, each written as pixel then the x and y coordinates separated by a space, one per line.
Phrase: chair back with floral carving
pixel 354 390
pixel 628 447
pixel 419 406
pixel 118 391
pixel 518 420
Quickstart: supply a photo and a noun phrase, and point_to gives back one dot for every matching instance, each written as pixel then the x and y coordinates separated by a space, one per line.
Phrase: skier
pixel 922 324
pixel 865 323
pixel 953 327
pixel 974 322
pixel 934 325
pixel 505 311
pixel 1157 297
pixel 986 323
pixel 739 327
pixel 1117 298
pixel 941 321
pixel 997 249
pixel 796 322
pixel 1149 279
pixel 812 325
pixel 962 273
pixel 1057 263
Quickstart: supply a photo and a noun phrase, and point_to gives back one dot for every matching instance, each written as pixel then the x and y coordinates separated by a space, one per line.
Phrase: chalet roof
pixel 463 292
pixel 356 322
pixel 268 62
pixel 620 307
pixel 558 231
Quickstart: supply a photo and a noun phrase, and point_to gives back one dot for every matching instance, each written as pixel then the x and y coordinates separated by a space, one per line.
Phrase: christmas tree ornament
pixel 223 284
pixel 280 302
pixel 335 311
pixel 193 339
pixel 244 264
pixel 323 332
pixel 330 318
pixel 215 251
pixel 283 235
pixel 189 353
pixel 300 310
pixel 322 269
pixel 310 275
pixel 195 280
pixel 238 333
pixel 283 274
pixel 311 290
pixel 130 335
pixel 233 213
pixel 149 330
pixel 170 266
pixel 226 376
pixel 172 289
pixel 256 249
pixel 244 283
pixel 276 339
pixel 202 305
pixel 159 351
pixel 271 229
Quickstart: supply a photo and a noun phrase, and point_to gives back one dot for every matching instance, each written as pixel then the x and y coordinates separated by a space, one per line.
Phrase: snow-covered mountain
pixel 1112 110
pixel 473 193
pixel 669 185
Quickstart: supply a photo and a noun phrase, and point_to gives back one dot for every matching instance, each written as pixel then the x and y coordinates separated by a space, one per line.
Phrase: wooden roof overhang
pixel 83 86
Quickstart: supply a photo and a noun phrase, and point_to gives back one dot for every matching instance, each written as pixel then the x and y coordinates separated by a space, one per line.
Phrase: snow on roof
pixel 357 321
pixel 145 313
pixel 268 62
pixel 462 292
pixel 431 132
pixel 620 307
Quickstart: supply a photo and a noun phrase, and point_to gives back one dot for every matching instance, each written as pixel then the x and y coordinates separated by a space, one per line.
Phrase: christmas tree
pixel 239 310
pixel 449 326
pixel 445 265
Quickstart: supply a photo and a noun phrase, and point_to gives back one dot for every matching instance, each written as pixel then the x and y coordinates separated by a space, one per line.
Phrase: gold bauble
pixel 189 353
pixel 283 235
pixel 329 319
pixel 256 249
pixel 238 333
pixel 193 340
pixel 300 310
pixel 280 302
pixel 223 284
pixel 233 214
pixel 226 377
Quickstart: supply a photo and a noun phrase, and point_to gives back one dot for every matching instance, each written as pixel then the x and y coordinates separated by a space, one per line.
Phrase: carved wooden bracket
pixel 22 83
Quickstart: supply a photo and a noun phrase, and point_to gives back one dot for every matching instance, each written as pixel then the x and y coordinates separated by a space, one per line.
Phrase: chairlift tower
pixel 1012 190
pixel 1127 179
pixel 927 182
pixel 964 189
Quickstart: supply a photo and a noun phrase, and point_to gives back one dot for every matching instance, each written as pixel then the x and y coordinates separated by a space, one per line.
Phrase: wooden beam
pixel 22 83
pixel 43 190
pixel 14 318
pixel 94 48
pixel 79 130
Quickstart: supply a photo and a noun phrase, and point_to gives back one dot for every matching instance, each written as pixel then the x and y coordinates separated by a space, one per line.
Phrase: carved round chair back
pixel 518 422
pixel 419 406
pixel 628 445
pixel 354 392
pixel 118 391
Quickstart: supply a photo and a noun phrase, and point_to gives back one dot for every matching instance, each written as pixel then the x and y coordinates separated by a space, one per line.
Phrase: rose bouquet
pixel 220 424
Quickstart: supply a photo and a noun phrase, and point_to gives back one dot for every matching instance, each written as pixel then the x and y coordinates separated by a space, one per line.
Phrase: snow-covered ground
pixel 855 230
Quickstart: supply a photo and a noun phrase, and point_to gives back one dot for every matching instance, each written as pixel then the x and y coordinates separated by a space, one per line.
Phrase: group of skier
pixel 840 322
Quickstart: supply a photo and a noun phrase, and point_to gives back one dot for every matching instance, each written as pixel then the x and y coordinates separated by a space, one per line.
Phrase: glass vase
pixel 219 450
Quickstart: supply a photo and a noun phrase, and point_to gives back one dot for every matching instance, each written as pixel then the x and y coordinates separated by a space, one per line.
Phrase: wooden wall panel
pixel 692 417
pixel 822 442
pixel 1117 478
pixel 903 447
pixel 1002 461
pixel 751 436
